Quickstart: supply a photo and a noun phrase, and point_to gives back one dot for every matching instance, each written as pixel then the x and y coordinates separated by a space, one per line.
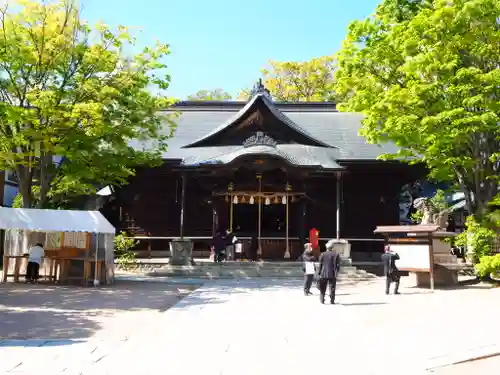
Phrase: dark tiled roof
pixel 274 110
pixel 308 156
pixel 338 130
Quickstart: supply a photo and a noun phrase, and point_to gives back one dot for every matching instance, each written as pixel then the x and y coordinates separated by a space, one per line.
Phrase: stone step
pixel 233 271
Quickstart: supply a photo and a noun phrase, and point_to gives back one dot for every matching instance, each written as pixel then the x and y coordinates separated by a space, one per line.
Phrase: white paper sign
pixel 412 257
pixel 309 268
pixel 238 248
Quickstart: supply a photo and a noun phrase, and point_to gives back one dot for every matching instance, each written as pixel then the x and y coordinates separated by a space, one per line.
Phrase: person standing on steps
pixel 329 267
pixel 219 245
pixel 308 268
pixel 253 249
pixel 391 272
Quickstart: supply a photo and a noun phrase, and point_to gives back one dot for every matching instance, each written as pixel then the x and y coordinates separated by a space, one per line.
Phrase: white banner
pixel 412 257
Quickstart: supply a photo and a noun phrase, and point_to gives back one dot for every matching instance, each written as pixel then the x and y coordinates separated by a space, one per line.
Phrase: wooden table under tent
pixel 78 245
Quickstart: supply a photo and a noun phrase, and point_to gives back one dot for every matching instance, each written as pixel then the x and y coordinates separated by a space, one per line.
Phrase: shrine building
pixel 274 170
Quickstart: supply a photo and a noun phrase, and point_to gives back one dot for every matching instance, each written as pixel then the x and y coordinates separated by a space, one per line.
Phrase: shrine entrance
pixel 266 212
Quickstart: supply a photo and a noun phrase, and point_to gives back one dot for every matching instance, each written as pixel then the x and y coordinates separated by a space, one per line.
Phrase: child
pixel 35 255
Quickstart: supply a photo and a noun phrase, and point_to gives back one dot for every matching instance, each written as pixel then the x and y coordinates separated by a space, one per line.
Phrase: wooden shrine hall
pixel 265 169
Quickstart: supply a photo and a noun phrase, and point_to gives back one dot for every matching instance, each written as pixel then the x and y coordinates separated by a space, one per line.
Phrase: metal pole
pixel 287 248
pixel 259 251
pixel 96 281
pixel 338 206
pixel 231 214
pixel 183 196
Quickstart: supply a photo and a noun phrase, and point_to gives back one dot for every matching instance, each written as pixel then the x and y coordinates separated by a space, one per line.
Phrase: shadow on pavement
pixel 363 304
pixel 17 324
pixel 33 343
pixel 219 291
pixel 69 313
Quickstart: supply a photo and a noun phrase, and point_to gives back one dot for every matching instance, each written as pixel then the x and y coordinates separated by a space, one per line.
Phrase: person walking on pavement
pixel 329 267
pixel 308 268
pixel 391 272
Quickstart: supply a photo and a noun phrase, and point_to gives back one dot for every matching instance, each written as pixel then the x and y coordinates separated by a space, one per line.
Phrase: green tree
pixel 244 95
pixel 68 90
pixel 304 81
pixel 209 95
pixel 426 75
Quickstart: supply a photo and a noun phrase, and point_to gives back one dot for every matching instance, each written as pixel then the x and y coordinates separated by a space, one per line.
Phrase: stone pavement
pixel 484 366
pixel 233 327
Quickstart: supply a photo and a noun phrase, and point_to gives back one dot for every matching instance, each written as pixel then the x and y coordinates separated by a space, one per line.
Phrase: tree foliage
pixel 304 81
pixel 69 93
pixel 217 94
pixel 426 75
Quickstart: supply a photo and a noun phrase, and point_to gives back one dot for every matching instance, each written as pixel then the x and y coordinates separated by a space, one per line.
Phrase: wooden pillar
pixel 183 200
pixel 259 223
pixel 6 260
pixel 287 200
pixel 214 219
pixel 338 203
pixel 230 188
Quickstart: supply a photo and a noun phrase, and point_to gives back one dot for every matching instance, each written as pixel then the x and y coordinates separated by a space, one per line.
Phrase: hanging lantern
pixel 268 201
pixel 235 200
pixel 251 201
pixel 242 200
pixel 276 200
pixel 227 198
pixel 283 200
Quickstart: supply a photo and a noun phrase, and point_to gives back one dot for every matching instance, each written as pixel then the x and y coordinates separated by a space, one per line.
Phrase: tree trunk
pixel 477 201
pixel 25 182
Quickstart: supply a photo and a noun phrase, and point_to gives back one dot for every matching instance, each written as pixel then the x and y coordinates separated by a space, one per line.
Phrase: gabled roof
pixel 248 108
pixel 307 133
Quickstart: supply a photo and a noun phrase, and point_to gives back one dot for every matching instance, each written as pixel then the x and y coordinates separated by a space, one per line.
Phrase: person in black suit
pixel 391 272
pixel 253 249
pixel 219 243
pixel 329 266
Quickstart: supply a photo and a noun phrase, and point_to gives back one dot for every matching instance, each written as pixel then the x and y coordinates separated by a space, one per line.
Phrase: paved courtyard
pixel 234 327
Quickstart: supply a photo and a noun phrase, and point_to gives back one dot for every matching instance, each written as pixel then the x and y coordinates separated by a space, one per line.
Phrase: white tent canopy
pixel 54 220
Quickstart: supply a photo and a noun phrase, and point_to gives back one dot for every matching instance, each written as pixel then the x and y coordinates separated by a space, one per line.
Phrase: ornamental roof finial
pixel 259 88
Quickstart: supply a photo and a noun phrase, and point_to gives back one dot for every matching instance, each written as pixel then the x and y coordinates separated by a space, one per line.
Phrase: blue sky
pixel 223 43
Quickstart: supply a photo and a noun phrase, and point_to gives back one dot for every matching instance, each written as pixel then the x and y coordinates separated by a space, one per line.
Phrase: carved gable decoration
pixel 259 139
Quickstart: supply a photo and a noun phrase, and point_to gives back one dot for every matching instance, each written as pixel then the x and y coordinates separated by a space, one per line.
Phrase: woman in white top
pixel 35 255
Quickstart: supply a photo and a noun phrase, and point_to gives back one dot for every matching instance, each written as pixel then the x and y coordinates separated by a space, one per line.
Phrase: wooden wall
pixel 150 203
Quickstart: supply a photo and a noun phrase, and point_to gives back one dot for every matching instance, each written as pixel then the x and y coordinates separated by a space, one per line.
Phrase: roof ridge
pixel 272 108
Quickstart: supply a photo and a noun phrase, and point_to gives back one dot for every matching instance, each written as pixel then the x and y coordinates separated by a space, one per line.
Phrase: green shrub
pixel 417 216
pixel 18 201
pixel 477 238
pixel 123 250
pixel 488 267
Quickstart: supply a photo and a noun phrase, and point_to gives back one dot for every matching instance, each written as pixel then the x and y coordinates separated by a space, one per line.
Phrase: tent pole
pixel 96 281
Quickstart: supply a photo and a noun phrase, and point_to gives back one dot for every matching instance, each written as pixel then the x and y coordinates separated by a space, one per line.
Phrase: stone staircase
pixel 245 270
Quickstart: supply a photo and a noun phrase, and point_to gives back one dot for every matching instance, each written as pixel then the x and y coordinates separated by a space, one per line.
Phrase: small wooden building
pixel 266 169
